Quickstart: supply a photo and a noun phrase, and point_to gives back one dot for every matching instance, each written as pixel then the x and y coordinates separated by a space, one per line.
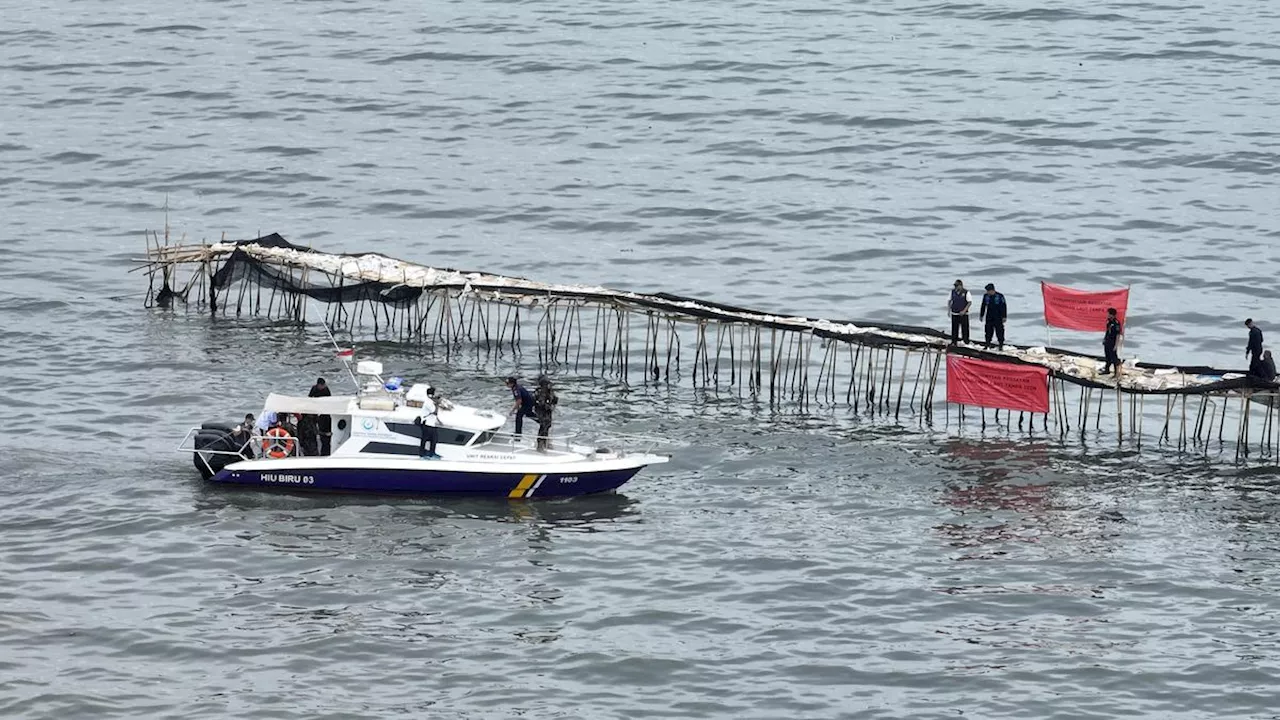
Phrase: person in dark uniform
pixel 994 311
pixel 958 305
pixel 308 440
pixel 544 404
pixel 1268 367
pixel 1110 341
pixel 1254 349
pixel 324 423
pixel 523 406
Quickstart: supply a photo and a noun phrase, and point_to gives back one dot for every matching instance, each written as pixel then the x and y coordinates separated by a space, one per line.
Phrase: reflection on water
pixel 1006 493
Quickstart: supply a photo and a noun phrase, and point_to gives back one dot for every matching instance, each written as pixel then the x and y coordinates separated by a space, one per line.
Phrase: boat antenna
pixel 345 355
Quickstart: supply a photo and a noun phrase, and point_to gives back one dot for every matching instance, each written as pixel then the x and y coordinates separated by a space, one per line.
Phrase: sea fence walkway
pixel 878 370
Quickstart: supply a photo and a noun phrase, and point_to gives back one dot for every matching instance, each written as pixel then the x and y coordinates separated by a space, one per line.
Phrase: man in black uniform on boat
pixel 1110 341
pixel 994 311
pixel 324 423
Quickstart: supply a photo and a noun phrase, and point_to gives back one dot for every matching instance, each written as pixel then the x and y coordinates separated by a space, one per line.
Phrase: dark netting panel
pixel 241 266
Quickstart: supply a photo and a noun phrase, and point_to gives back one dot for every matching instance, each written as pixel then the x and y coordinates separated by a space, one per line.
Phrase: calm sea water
pixel 842 160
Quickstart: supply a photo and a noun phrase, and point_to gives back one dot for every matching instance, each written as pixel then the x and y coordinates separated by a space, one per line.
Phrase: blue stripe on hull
pixel 428 482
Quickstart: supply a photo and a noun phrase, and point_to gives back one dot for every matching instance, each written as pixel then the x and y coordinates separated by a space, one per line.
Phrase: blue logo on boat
pixel 368 423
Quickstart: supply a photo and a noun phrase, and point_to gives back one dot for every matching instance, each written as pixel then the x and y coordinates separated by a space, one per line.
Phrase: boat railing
pixel 576 442
pixel 187 444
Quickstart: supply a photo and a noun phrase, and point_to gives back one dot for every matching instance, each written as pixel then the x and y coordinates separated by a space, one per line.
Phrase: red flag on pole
pixel 1073 309
pixel 1007 386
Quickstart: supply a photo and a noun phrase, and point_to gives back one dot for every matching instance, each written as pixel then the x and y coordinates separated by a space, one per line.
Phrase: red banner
pixel 1073 309
pixel 987 383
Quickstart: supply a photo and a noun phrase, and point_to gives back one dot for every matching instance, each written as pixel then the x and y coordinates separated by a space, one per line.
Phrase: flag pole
pixel 346 363
pixel 1045 313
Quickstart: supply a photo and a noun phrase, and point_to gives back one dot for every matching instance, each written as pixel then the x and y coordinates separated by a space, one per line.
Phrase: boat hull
pixel 427 478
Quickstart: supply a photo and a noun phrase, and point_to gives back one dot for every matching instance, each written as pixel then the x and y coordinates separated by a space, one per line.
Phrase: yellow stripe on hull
pixel 526 482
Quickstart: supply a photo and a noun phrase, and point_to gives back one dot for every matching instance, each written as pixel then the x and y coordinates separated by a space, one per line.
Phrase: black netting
pixel 240 266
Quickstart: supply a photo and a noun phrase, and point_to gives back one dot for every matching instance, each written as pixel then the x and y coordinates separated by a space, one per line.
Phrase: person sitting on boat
pixel 523 406
pixel 544 403
pixel 427 423
pixel 242 434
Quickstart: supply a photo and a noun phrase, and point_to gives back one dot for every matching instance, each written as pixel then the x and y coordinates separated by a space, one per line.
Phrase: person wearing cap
pixel 958 306
pixel 993 311
pixel 1110 342
pixel 523 407
pixel 427 421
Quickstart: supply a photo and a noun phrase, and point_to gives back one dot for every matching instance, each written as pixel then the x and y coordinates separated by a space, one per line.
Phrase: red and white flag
pixel 1073 309
pixel 346 354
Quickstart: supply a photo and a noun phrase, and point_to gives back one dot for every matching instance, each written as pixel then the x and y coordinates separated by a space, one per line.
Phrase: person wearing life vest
pixel 994 311
pixel 958 306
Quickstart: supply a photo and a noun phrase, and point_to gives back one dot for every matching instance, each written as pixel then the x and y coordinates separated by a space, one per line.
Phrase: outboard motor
pixel 222 438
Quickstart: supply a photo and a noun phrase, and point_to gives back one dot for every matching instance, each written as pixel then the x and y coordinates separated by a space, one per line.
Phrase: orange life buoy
pixel 278 443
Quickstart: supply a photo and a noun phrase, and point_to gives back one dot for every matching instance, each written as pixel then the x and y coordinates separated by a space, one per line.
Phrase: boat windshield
pixel 483 437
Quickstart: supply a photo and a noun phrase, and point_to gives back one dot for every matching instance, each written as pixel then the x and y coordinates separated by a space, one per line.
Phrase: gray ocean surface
pixel 844 160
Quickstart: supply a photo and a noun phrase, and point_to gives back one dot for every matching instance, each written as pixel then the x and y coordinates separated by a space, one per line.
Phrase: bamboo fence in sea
pixel 879 371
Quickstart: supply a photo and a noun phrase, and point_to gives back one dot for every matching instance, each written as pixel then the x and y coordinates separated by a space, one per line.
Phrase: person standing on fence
pixel 993 311
pixel 1264 369
pixel 1253 350
pixel 523 406
pixel 1111 341
pixel 958 305
pixel 544 404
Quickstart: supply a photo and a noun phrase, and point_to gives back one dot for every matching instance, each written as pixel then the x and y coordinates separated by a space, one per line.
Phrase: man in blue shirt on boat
pixel 523 406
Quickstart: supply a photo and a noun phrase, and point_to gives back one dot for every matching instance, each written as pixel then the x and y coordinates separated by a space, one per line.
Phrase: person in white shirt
pixel 428 421
pixel 958 305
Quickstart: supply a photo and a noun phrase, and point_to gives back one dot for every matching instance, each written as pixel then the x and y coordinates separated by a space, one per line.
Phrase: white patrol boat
pixel 375 449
